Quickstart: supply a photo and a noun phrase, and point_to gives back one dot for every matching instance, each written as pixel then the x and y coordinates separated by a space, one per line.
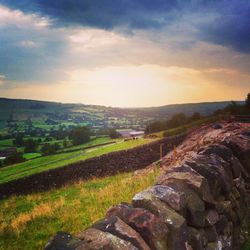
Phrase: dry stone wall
pixel 199 203
pixel 105 165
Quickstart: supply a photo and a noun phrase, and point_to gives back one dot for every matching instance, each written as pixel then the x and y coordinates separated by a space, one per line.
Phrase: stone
pixel 211 217
pixel 196 238
pixel 222 224
pixel 233 165
pixel 176 200
pixel 195 208
pixel 186 174
pixel 213 246
pixel 240 145
pixel 95 239
pixel 210 167
pixel 152 229
pixel 226 242
pixel 217 126
pixel 175 222
pixel 119 228
pixel 65 241
pixel 211 233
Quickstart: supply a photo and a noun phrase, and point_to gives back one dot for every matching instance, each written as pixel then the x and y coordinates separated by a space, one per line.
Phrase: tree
pixel 247 102
pixel 113 134
pixel 18 141
pixel 30 146
pixel 49 149
pixel 233 108
pixel 14 158
pixel 80 135
pixel 65 143
pixel 195 116
pixel 177 120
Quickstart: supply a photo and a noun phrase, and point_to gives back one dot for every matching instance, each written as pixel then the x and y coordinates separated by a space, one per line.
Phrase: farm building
pixel 131 133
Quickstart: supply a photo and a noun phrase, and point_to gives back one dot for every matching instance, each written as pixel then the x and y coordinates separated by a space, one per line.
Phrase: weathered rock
pixel 210 167
pixel 214 246
pixel 226 208
pixel 240 145
pixel 117 227
pixel 95 239
pixel 176 223
pixel 152 229
pixel 176 200
pixel 211 233
pixel 217 126
pixel 240 184
pixel 195 208
pixel 196 238
pixel 211 217
pixel 186 174
pixel 222 224
pixel 225 242
pixel 65 241
pixel 233 165
pixel 236 237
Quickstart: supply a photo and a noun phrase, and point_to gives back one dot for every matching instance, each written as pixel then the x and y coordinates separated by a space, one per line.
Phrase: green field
pixel 27 222
pixel 54 161
pixel 92 142
pixel 6 143
pixel 29 156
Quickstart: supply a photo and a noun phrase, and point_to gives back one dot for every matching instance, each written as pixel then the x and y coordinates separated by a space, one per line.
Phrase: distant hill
pixel 42 113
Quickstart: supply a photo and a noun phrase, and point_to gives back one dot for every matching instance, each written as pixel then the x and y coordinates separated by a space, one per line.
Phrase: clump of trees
pixel 14 158
pixel 18 140
pixel 180 119
pixel 235 108
pixel 49 149
pixel 30 145
pixel 80 135
pixel 175 121
pixel 113 134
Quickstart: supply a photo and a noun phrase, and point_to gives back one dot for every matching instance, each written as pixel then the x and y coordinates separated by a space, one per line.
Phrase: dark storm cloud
pixel 230 27
pixel 102 14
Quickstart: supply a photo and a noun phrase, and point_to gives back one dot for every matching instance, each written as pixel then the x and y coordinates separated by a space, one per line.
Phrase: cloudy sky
pixel 125 52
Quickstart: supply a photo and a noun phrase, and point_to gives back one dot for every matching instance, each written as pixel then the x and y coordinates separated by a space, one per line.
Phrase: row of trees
pixel 181 119
pixel 235 108
pixel 175 121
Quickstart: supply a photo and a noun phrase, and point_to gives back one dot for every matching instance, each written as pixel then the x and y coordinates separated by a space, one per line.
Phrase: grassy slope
pixel 54 161
pixel 93 142
pixel 184 128
pixel 27 222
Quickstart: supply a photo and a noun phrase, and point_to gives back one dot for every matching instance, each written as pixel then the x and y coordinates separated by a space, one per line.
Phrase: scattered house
pixel 8 152
pixel 136 134
pixel 131 133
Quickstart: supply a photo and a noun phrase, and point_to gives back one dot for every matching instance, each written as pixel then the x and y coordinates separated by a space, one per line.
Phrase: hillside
pixel 75 207
pixel 45 115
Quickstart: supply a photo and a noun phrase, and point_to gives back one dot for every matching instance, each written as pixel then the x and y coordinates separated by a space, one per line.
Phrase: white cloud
pixel 2 79
pixel 18 18
pixel 29 44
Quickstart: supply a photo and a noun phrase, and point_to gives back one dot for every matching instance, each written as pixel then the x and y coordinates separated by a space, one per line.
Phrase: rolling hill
pixel 45 115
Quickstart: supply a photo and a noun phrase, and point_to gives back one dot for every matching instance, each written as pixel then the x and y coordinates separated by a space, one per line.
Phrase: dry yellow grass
pixel 72 208
pixel 43 209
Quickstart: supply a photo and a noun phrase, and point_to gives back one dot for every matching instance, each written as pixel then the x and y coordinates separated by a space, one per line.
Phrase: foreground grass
pixel 27 222
pixel 54 161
